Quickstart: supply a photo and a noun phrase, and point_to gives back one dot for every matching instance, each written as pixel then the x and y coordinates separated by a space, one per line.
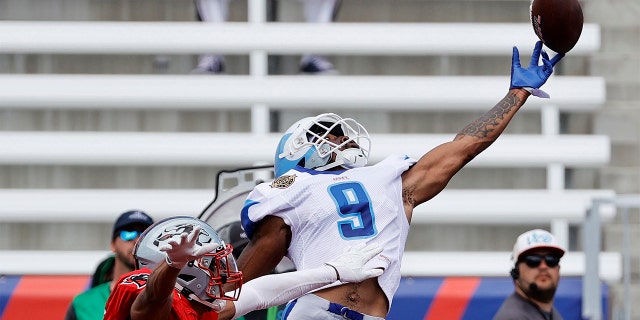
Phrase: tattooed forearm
pixel 483 126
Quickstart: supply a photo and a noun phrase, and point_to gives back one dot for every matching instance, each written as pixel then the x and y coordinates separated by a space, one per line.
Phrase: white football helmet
pixel 201 280
pixel 305 144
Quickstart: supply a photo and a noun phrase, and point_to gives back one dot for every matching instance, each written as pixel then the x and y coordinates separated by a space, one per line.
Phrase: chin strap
pixel 329 166
pixel 348 159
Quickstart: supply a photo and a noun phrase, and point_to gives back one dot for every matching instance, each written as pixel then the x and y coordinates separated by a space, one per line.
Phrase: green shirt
pixel 89 305
pixel 265 314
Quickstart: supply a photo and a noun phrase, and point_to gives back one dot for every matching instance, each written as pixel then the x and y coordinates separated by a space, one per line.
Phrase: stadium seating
pixel 556 205
pixel 260 92
pixel 93 37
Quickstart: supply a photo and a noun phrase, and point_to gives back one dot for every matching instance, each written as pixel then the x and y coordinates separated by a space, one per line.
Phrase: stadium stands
pixel 82 37
pixel 379 93
pixel 50 91
pixel 261 92
pixel 555 205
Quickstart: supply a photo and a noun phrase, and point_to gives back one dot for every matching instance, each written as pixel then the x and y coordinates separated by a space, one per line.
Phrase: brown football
pixel 558 23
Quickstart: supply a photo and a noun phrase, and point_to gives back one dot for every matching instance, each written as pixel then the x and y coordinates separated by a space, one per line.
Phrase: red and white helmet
pixel 203 280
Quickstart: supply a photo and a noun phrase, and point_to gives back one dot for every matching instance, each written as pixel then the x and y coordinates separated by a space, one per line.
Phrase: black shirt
pixel 515 307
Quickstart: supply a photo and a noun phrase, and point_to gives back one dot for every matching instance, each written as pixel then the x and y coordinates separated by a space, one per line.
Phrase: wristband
pixel 537 92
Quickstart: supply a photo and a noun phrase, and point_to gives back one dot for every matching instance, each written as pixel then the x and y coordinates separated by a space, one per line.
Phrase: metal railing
pixel 591 304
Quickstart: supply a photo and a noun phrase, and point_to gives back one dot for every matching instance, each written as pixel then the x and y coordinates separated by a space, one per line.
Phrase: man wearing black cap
pixel 90 304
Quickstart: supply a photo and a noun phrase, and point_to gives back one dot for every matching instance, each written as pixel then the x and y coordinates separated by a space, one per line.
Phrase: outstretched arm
pixel 155 301
pixel 276 289
pixel 435 169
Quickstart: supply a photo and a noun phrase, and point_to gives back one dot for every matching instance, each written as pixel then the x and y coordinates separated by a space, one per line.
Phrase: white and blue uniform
pixel 330 210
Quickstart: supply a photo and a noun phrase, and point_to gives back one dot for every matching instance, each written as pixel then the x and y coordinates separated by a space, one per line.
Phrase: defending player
pixel 185 272
pixel 325 198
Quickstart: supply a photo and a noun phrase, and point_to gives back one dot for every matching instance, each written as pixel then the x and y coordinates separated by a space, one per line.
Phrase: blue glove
pixel 532 78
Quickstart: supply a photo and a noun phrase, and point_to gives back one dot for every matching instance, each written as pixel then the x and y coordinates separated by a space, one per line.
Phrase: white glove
pixel 183 249
pixel 350 266
pixel 218 305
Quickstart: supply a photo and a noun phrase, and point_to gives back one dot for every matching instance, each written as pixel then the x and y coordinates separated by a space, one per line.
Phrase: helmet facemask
pixel 212 277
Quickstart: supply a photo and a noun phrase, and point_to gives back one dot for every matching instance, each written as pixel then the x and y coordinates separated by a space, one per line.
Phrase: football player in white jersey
pixel 324 198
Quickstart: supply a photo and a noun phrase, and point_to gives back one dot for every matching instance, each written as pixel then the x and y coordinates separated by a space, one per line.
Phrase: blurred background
pixel 48 200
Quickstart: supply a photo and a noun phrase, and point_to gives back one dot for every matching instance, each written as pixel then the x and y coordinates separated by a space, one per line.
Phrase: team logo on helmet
pixel 283 182
pixel 179 229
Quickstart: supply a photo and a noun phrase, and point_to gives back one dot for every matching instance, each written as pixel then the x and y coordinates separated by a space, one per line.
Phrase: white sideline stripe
pixel 506 207
pixel 79 205
pixel 93 37
pixel 497 264
pixel 414 264
pixel 190 92
pixel 246 149
pixel 50 262
pixel 511 207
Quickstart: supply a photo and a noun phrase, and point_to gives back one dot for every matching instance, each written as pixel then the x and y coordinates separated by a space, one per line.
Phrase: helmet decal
pixel 177 230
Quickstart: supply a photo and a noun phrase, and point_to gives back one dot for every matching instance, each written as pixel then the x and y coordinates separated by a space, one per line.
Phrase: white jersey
pixel 330 210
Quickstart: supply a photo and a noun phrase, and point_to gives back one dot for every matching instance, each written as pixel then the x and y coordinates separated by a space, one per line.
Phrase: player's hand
pixel 350 266
pixel 218 305
pixel 533 77
pixel 185 248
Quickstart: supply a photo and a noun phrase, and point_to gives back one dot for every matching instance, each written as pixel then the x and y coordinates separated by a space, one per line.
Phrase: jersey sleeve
pixel 255 201
pixel 400 161
pixel 124 294
pixel 276 289
pixel 261 202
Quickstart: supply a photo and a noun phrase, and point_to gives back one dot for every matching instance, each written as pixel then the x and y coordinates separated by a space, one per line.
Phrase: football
pixel 558 23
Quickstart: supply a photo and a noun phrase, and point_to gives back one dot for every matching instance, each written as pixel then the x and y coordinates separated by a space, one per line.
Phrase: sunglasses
pixel 533 261
pixel 129 235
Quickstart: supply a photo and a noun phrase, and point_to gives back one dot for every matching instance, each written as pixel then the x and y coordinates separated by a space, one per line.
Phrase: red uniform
pixel 131 284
